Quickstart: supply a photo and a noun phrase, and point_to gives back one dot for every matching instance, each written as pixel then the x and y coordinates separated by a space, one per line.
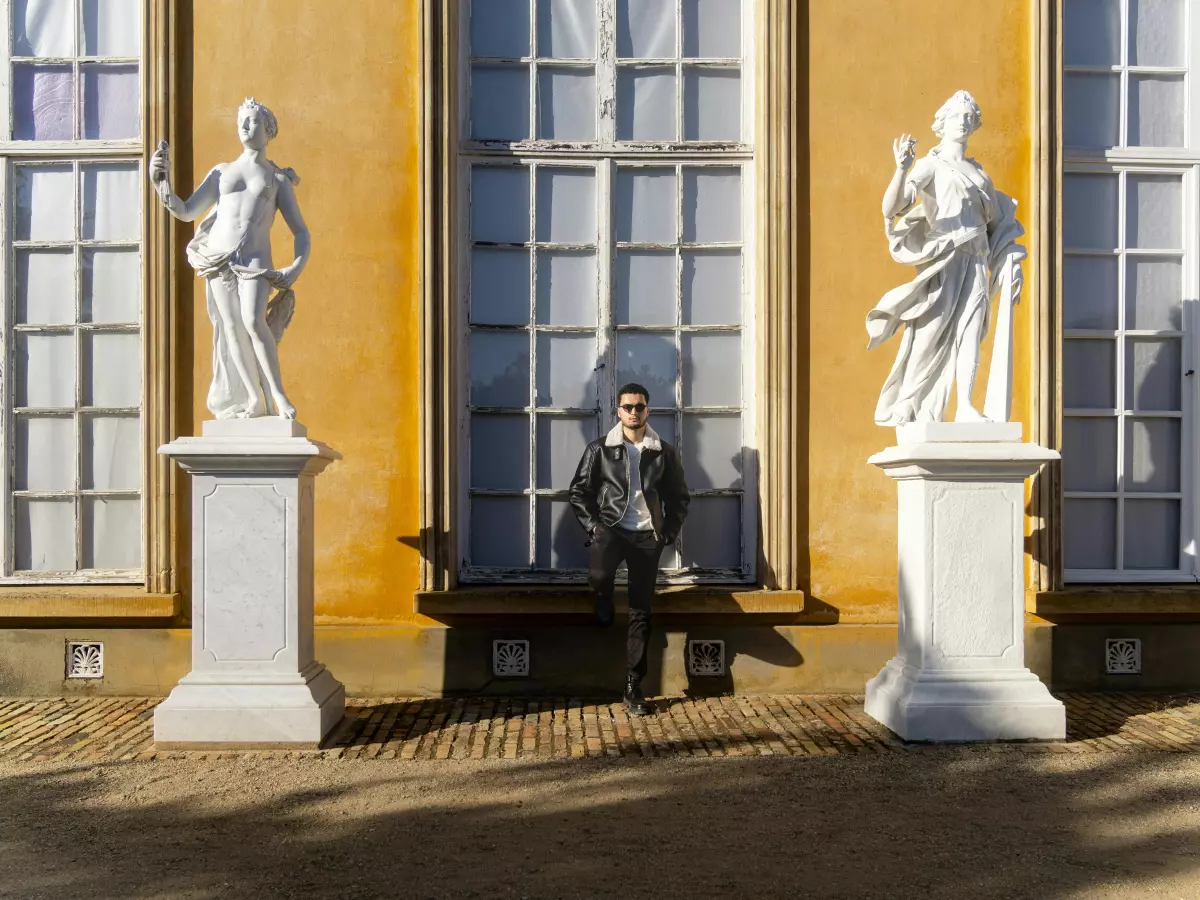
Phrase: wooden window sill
pixel 1116 600
pixel 87 602
pixel 577 599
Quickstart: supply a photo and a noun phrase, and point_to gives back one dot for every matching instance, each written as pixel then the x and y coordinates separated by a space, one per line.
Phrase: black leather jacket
pixel 600 488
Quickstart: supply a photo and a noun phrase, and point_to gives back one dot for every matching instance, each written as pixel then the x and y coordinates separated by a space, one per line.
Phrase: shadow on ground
pixel 950 823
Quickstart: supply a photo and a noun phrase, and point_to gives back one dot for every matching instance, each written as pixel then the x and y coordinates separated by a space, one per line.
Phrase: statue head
pixel 958 119
pixel 256 124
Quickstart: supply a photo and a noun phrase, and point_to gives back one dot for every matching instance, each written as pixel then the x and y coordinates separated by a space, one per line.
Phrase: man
pixel 630 496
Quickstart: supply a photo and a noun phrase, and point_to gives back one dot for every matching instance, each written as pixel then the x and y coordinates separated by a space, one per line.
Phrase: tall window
pixel 72 362
pixel 1131 130
pixel 607 179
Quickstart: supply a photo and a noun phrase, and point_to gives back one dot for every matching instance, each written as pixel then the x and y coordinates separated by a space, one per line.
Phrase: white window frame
pixel 1124 161
pixel 606 154
pixel 79 153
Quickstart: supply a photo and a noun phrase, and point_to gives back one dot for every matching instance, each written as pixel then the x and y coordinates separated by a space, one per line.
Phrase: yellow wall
pixel 878 68
pixel 345 89
pixel 344 86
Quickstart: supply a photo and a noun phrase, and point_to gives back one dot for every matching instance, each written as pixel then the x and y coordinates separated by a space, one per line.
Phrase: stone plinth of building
pixel 959 673
pixel 254 679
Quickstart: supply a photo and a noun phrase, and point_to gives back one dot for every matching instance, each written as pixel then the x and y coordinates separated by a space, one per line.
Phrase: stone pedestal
pixel 254 680
pixel 959 673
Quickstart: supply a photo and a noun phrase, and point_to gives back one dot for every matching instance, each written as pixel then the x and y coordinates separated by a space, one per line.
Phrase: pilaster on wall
pixel 783 294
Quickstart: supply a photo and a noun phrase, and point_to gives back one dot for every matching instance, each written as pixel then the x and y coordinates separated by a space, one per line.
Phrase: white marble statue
pixel 232 252
pixel 944 216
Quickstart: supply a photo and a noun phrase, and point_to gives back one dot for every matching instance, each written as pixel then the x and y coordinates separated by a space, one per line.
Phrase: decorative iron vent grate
pixel 510 659
pixel 1123 656
pixel 706 658
pixel 85 659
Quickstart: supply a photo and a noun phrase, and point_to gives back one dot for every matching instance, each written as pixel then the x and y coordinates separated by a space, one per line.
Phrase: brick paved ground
pixel 120 728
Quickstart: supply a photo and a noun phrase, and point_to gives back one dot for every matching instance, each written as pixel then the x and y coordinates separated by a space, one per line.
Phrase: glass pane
pixel 651 361
pixel 1089 374
pixel 499 369
pixel 712 370
pixel 45 287
pixel 110 102
pixel 1155 211
pixel 500 28
pixel 45 203
pixel 111 201
pixel 45 454
pixel 45 538
pixel 712 535
pixel 712 451
pixel 645 104
pixel 112 27
pixel 112 373
pixel 566 103
pixel 1091 110
pixel 112 532
pixel 1092 32
pixel 712 104
pixel 645 287
pixel 646 205
pixel 1089 212
pixel 566 287
pixel 500 531
pixel 646 29
pixel 1156 110
pixel 1090 534
pixel 712 204
pixel 1152 454
pixel 664 426
pixel 1153 372
pixel 712 287
pixel 1153 294
pixel 112 286
pixel 566 205
pixel 1151 534
pixel 500 103
pixel 42 103
pixel 566 370
pixel 712 28
pixel 43 28
pixel 560 537
pixel 45 369
pixel 499 452
pixel 113 453
pixel 561 442
pixel 1156 33
pixel 500 204
pixel 567 29
pixel 1090 292
pixel 499 286
pixel 1089 454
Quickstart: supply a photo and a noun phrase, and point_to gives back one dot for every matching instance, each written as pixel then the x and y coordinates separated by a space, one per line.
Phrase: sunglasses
pixel 634 407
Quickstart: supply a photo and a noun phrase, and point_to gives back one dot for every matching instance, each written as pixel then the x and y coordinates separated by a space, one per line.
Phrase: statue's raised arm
pixel 232 252
pixel 943 215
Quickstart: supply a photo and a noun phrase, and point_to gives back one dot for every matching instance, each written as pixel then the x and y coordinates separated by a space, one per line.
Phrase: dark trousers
pixel 640 551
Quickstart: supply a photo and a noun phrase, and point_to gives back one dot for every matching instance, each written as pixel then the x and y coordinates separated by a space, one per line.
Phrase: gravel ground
pixel 953 823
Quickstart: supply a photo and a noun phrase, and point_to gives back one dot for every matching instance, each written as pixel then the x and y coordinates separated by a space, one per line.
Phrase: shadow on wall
pixel 944 823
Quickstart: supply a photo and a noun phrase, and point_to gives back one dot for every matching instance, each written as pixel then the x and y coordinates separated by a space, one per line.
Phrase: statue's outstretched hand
pixel 160 166
pixel 904 150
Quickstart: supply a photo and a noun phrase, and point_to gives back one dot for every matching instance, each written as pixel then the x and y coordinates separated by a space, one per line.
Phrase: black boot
pixel 635 702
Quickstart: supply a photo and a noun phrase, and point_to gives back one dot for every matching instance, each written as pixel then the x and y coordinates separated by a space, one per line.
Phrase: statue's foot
pixel 283 408
pixel 968 413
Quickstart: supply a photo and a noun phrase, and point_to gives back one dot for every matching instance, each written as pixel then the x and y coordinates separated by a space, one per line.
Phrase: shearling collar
pixel 616 438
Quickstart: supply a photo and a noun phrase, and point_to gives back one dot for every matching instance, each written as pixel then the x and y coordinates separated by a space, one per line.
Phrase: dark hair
pixel 633 388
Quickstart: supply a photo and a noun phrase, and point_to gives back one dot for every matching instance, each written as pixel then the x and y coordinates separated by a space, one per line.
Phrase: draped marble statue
pixel 232 252
pixel 944 216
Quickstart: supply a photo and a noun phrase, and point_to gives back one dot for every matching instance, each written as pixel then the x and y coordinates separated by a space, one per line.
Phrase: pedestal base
pixel 201 713
pixel 997 705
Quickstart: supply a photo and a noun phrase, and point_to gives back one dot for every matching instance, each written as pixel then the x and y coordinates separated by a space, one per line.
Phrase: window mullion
pixel 606 74
pixel 605 261
pixel 534 177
